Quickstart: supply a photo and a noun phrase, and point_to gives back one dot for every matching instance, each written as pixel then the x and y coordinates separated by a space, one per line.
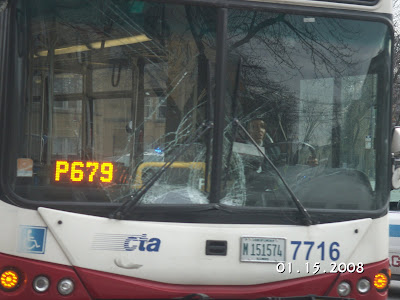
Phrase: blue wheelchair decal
pixel 32 239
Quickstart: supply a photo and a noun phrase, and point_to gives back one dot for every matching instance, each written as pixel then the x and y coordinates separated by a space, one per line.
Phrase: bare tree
pixel 396 66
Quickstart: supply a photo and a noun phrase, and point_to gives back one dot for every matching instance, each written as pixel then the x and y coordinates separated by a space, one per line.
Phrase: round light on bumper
pixel 65 286
pixel 381 281
pixel 41 284
pixel 363 286
pixel 343 289
pixel 9 279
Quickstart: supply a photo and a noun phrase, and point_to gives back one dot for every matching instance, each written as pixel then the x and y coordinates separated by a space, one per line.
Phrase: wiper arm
pixel 300 207
pixel 134 199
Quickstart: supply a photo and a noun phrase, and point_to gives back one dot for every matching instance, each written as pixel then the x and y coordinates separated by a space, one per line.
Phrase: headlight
pixel 344 289
pixel 41 284
pixel 65 286
pixel 363 286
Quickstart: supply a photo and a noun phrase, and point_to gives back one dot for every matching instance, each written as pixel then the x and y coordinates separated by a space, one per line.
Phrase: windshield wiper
pixel 134 199
pixel 300 207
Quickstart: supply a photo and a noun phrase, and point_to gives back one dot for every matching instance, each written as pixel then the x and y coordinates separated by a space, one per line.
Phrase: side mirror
pixel 129 128
pixel 396 141
pixel 3 5
pixel 395 149
pixel 396 179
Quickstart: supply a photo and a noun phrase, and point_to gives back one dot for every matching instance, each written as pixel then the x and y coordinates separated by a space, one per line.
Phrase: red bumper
pixel 90 284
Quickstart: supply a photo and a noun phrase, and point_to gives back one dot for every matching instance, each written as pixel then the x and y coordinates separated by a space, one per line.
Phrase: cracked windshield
pixel 301 110
pixel 121 98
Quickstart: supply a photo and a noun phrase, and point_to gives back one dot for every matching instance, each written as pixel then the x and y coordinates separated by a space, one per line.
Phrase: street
pixel 394 291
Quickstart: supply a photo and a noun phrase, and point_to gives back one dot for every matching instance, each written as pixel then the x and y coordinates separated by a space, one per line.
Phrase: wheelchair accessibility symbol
pixel 32 239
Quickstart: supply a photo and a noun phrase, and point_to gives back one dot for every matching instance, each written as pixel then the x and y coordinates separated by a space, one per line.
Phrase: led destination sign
pixel 83 172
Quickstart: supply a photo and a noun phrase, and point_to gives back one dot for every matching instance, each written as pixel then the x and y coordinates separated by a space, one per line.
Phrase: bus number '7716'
pixel 331 249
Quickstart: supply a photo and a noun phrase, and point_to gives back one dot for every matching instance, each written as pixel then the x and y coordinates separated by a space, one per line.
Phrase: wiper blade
pixel 134 199
pixel 300 207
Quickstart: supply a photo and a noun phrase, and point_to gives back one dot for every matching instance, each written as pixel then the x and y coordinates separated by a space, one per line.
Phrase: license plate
pixel 262 249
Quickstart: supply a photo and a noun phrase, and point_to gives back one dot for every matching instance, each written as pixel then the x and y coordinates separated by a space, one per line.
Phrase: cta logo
pixel 142 243
pixel 126 242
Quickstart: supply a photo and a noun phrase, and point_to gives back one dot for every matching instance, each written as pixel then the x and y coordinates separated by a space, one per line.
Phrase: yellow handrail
pixel 159 164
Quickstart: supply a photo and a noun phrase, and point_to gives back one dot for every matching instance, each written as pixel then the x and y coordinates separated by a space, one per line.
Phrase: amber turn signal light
pixel 9 279
pixel 381 281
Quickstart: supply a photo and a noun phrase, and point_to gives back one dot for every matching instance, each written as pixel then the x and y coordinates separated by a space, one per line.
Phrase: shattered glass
pixel 315 94
pixel 120 83
pixel 115 89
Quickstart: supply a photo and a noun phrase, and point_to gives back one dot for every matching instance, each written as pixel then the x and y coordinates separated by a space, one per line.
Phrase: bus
pixel 394 246
pixel 195 149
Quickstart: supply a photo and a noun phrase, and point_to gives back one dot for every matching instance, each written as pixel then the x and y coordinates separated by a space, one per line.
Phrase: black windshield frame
pixel 195 213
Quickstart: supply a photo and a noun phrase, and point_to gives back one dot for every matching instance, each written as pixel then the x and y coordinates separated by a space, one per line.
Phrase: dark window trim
pixel 342 12
pixel 219 108
pixel 208 213
pixel 356 2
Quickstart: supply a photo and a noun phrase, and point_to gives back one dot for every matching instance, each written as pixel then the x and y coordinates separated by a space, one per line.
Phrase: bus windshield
pixel 117 97
pixel 308 93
